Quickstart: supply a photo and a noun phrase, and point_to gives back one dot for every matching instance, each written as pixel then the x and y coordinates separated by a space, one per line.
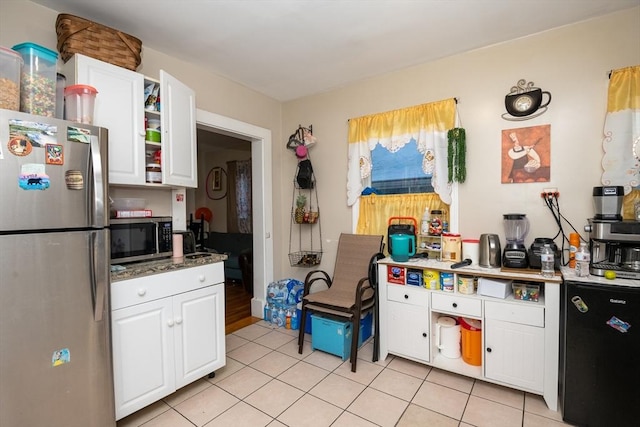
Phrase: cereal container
pixel 38 80
pixel 10 66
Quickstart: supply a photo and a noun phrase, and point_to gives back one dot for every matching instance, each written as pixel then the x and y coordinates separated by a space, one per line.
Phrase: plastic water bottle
pixel 295 323
pixel 274 314
pixel 583 257
pixel 267 313
pixel 546 262
pixel 424 223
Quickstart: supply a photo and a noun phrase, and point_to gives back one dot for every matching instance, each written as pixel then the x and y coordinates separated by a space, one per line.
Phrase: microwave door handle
pixel 99 272
pixel 97 214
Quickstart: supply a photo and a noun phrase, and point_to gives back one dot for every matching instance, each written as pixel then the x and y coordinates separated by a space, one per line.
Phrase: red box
pixel 396 274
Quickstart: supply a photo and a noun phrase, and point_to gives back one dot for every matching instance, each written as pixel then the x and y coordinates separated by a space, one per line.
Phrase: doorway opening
pixel 260 154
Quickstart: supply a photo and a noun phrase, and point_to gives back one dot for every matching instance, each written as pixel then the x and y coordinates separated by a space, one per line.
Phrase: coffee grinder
pixel 516 227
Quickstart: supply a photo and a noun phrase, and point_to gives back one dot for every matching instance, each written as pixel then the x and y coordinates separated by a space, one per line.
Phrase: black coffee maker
pixel 516 228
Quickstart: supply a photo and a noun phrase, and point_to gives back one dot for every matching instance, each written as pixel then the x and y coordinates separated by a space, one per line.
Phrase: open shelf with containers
pixel 431 245
pixel 514 328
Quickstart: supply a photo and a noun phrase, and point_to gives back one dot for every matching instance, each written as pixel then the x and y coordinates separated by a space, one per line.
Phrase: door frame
pixel 262 196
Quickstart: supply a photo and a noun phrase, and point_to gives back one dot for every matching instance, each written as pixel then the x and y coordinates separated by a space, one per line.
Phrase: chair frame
pixel 362 304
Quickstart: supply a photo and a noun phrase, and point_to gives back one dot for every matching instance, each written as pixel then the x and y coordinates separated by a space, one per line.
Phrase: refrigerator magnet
pixel 74 180
pixel 33 177
pixel 55 154
pixel 19 146
pixel 617 324
pixel 60 357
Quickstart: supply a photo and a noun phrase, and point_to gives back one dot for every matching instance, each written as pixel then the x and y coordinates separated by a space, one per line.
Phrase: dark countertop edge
pixel 165 265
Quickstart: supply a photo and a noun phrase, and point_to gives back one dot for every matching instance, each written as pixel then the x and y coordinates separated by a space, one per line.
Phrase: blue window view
pixel 399 172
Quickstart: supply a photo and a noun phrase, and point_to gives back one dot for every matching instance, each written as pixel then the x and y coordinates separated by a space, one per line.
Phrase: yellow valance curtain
pixel 375 210
pixel 621 142
pixel 427 124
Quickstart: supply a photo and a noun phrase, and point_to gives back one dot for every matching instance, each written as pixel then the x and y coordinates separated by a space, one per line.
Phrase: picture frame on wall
pixel 216 180
pixel 526 155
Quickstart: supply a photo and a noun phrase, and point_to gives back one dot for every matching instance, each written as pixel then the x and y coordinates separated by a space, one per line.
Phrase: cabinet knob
pixel 488 349
pixel 406 296
pixel 455 305
pixel 170 322
pixel 179 320
pixel 142 134
pixel 424 334
pixel 201 278
pixel 142 292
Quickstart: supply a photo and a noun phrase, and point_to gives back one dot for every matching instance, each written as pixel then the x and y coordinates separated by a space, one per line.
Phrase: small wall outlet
pixel 550 193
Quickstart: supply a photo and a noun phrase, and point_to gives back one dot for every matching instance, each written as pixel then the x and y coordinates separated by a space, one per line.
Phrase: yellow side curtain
pixel 621 143
pixel 427 124
pixel 375 210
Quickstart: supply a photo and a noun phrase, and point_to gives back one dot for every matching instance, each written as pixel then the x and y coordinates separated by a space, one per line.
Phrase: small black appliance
pixel 516 227
pixel 536 248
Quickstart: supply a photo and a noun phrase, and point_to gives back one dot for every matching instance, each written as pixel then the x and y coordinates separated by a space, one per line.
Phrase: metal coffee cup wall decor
pixel 524 102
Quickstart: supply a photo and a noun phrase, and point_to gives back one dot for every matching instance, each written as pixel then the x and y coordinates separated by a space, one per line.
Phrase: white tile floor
pixel 267 383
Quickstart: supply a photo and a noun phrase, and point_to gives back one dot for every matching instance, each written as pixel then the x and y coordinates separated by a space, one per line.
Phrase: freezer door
pixel 53 173
pixel 55 356
pixel 600 372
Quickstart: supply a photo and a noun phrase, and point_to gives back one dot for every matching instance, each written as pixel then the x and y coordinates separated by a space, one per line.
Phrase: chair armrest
pixel 310 279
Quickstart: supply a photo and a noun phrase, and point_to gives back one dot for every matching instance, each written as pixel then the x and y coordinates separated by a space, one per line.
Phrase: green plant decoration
pixel 456 153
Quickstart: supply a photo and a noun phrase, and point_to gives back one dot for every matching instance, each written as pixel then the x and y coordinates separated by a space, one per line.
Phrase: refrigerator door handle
pixel 99 273
pixel 96 163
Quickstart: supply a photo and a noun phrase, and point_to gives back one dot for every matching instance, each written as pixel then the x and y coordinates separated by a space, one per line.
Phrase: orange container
pixel 471 340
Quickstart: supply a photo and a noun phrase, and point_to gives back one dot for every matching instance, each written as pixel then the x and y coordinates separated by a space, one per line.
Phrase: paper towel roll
pixel 177 246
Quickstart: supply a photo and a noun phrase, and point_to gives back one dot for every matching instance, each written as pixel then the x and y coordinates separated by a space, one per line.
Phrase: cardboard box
pixel 496 288
pixel 395 274
pixel 414 277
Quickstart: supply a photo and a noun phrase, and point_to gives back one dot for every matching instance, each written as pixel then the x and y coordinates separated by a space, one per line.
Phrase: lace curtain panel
pixel 375 210
pixel 427 124
pixel 621 144
pixel 239 197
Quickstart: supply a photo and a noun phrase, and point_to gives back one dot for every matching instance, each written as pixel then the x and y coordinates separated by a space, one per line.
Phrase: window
pixel 399 172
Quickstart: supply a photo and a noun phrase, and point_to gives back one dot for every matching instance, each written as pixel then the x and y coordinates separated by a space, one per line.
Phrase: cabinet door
pixel 143 361
pixel 408 330
pixel 514 354
pixel 199 333
pixel 179 144
pixel 119 108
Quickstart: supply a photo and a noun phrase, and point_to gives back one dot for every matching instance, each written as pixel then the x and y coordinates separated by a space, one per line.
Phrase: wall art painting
pixel 526 154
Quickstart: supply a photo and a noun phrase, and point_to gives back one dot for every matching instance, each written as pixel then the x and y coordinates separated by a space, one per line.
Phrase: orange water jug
pixel 471 340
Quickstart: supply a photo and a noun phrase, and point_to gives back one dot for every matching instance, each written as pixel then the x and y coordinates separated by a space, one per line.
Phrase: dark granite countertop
pixel 147 268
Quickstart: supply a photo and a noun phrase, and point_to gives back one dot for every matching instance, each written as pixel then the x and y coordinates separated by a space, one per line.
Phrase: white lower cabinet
pixel 519 339
pixel 514 354
pixel 408 327
pixel 165 335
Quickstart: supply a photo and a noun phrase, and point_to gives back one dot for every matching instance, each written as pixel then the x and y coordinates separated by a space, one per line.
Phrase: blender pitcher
pixel 516 227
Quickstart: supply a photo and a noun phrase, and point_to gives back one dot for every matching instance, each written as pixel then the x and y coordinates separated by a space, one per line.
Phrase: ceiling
pixel 288 49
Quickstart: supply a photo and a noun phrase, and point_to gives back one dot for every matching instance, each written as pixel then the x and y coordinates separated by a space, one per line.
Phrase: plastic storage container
pixel 38 79
pixel 79 101
pixel 471 340
pixel 10 67
pixel 61 83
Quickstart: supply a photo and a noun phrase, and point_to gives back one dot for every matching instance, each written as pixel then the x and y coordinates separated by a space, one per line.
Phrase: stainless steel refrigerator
pixel 55 344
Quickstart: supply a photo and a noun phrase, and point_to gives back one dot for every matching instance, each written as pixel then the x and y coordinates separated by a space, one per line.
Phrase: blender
pixel 516 227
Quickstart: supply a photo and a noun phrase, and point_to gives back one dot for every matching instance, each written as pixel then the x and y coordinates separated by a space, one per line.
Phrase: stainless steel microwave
pixel 140 239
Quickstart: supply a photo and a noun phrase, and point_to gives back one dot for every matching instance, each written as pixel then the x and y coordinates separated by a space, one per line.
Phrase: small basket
pixel 305 258
pixel 79 35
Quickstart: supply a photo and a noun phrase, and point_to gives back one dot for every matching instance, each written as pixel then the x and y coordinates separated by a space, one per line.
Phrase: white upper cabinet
pixel 179 144
pixel 119 107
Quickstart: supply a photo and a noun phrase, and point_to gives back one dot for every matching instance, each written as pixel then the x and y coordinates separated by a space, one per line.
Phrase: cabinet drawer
pixel 456 304
pixel 130 292
pixel 516 313
pixel 408 295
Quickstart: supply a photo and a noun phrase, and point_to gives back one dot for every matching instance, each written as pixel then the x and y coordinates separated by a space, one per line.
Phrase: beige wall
pixel 571 62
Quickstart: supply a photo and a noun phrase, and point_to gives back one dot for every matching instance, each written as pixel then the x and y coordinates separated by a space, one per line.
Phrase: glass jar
pixel 435 223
